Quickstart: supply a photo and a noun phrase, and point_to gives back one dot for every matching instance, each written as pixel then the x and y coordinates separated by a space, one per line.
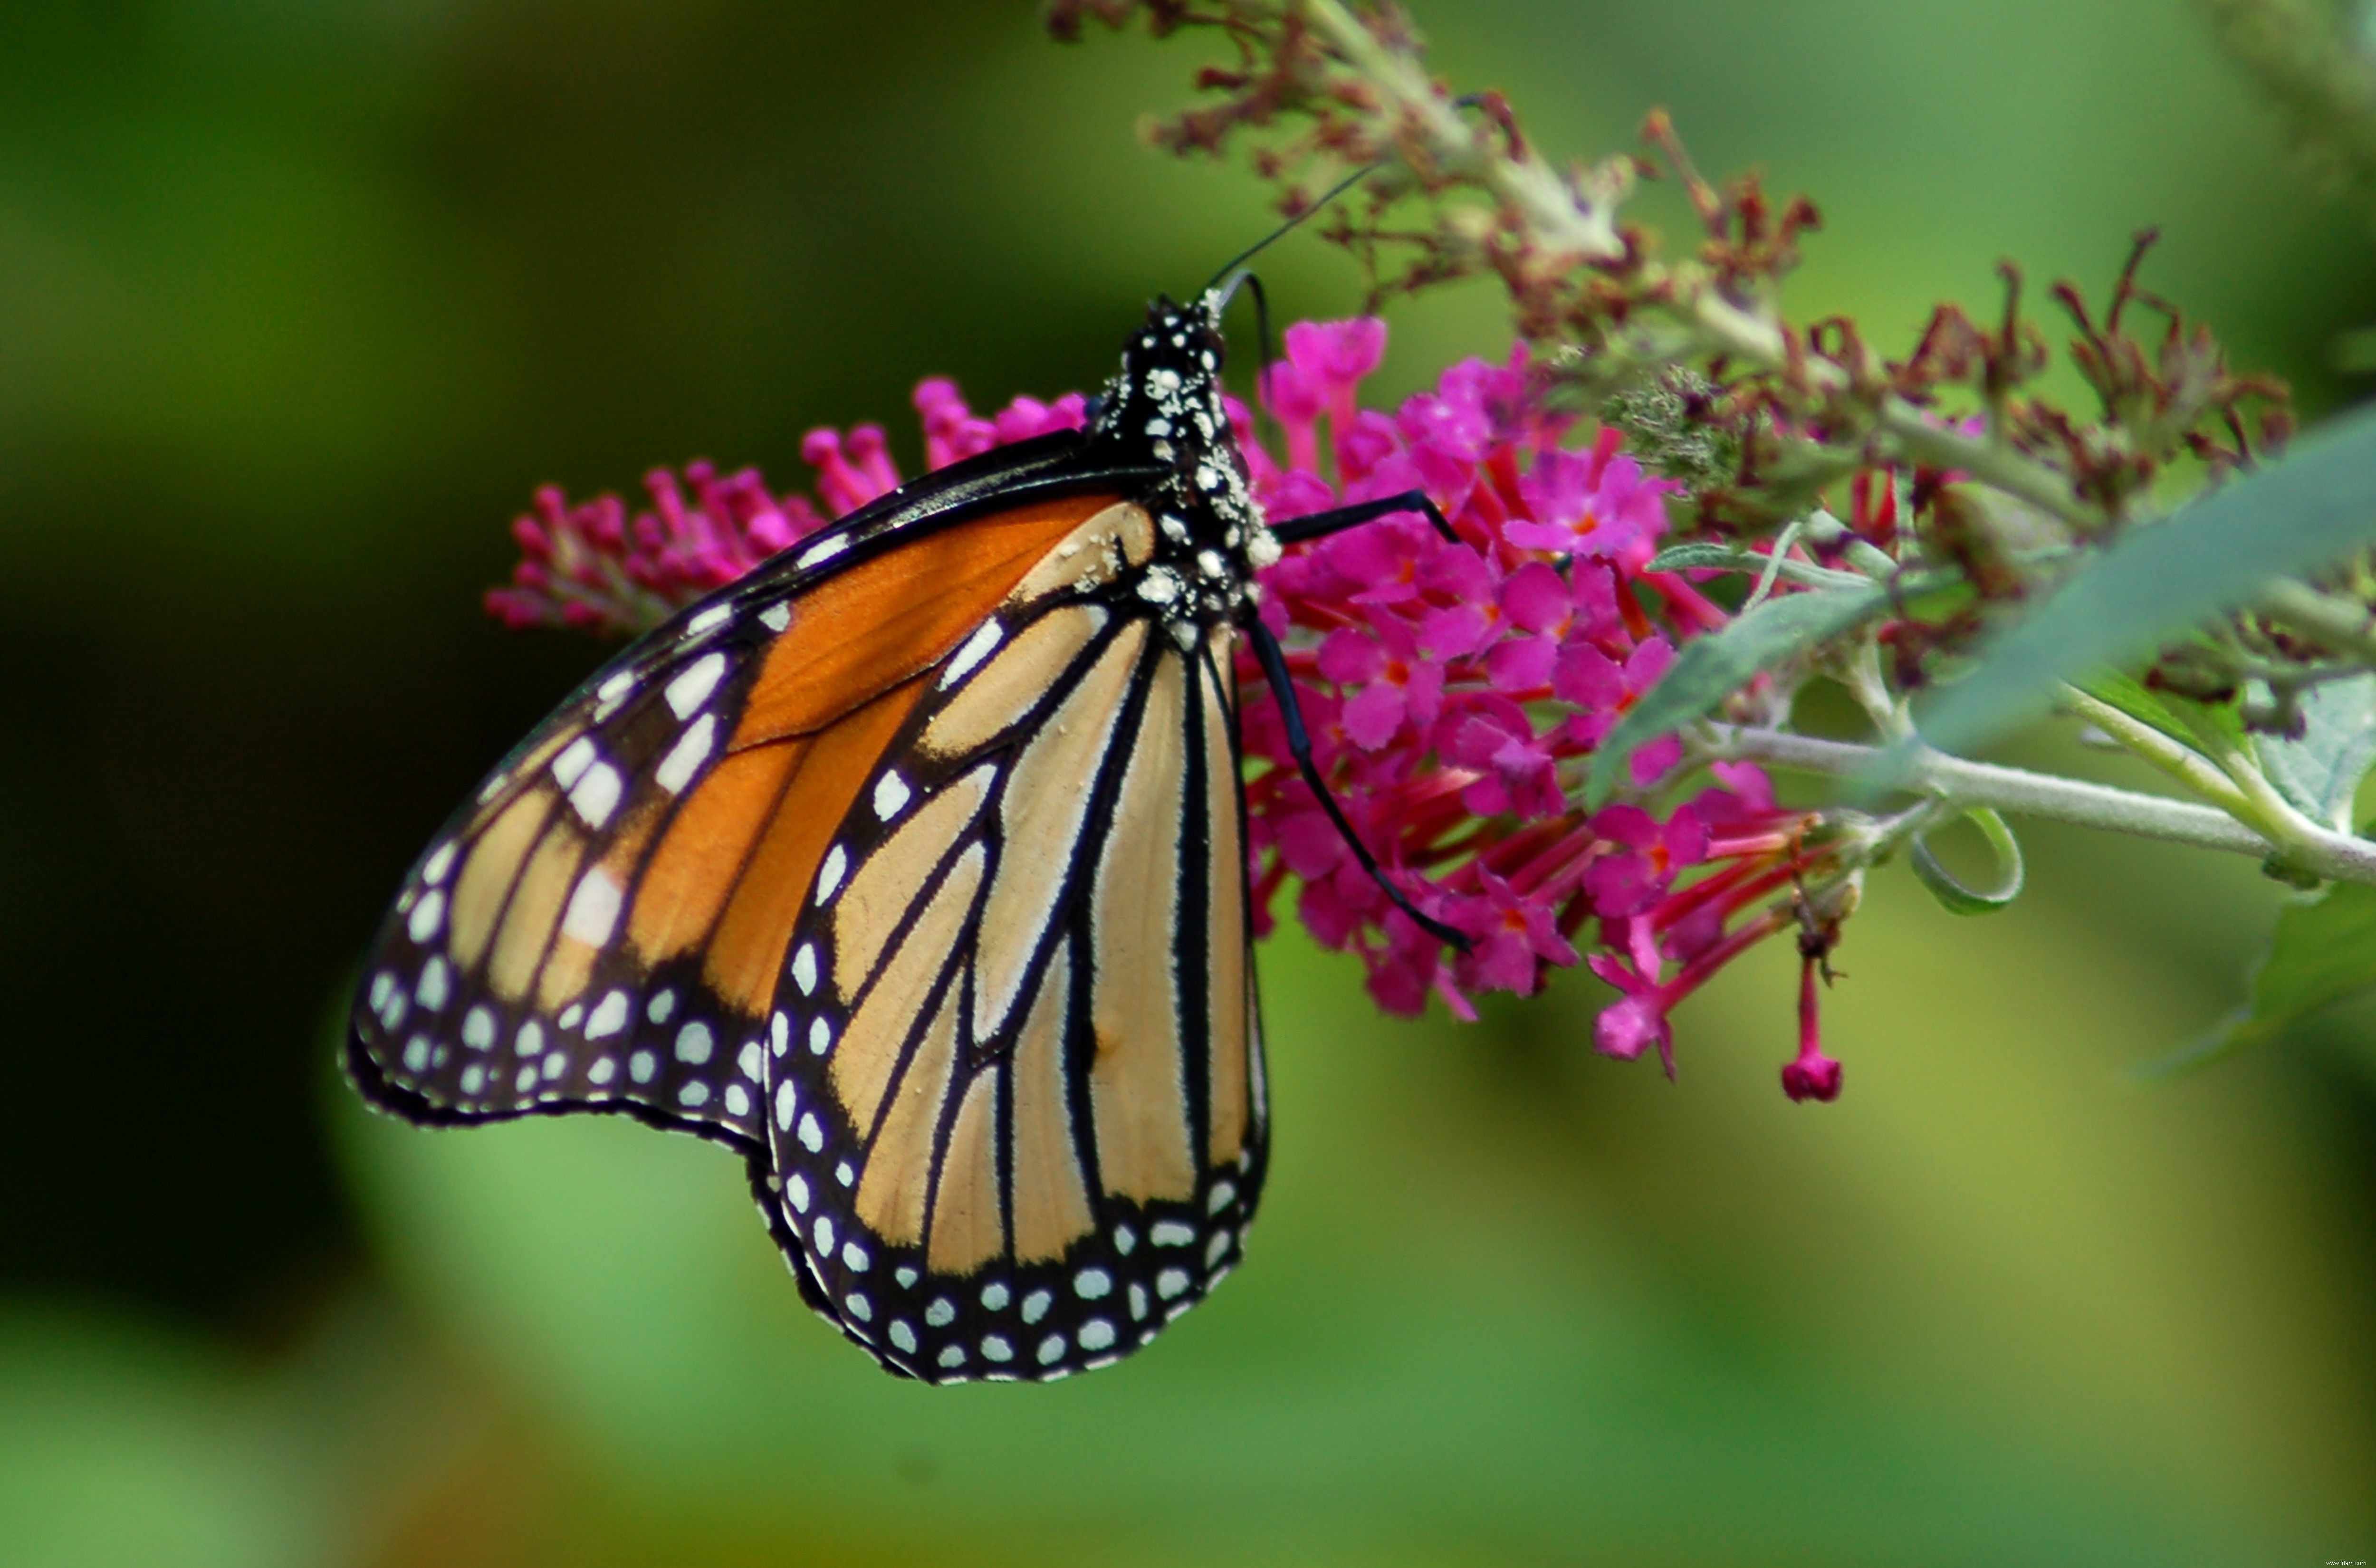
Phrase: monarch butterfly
pixel 912 867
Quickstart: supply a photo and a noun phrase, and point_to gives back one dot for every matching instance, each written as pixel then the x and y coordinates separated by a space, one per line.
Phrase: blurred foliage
pixel 296 304
pixel 2316 59
pixel 1503 1305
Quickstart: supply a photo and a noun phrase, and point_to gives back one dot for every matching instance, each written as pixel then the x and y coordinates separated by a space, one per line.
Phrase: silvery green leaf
pixel 2321 772
pixel 2323 951
pixel 1711 667
pixel 1700 555
pixel 2311 509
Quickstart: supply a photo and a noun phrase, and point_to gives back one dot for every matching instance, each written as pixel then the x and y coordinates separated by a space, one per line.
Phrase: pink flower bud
pixel 1811 1074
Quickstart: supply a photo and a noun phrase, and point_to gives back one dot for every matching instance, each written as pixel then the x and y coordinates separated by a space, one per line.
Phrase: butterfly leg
pixel 1337 520
pixel 1298 746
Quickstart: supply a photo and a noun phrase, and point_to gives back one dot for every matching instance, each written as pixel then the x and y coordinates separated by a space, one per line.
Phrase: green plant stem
pixel 2231 778
pixel 2270 811
pixel 1860 675
pixel 2341 624
pixel 1960 783
pixel 1562 222
pixel 2180 762
pixel 1753 335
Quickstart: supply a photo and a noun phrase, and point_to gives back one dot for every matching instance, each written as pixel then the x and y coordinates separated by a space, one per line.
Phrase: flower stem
pixel 2340 624
pixel 1960 782
pixel 2148 745
pixel 1746 335
pixel 1567 220
pixel 1564 223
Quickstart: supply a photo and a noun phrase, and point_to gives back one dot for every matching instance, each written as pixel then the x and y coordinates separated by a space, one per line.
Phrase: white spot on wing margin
pixel 977 649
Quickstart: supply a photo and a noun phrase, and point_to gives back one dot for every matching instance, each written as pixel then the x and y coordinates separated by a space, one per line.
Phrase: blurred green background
pixel 298 299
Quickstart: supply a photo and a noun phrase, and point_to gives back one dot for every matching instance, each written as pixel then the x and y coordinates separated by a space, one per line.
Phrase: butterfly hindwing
pixel 1014 1091
pixel 604 925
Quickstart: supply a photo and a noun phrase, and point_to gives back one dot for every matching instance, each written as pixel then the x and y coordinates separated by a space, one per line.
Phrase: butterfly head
pixel 1165 405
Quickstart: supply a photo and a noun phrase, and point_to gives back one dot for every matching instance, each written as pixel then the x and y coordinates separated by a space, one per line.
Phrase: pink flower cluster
pixel 594 565
pixel 1453 691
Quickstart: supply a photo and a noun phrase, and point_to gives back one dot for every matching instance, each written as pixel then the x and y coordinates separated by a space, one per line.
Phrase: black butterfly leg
pixel 1298 746
pixel 1337 520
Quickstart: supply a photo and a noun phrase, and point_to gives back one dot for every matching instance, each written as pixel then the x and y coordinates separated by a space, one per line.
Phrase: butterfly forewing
pixel 1013 1092
pixel 605 925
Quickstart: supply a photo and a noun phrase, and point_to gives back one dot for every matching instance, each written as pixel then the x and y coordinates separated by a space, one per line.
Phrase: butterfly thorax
pixel 1165 404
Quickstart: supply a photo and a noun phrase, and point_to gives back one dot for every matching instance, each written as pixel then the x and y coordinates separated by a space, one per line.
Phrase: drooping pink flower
pixel 1631 1024
pixel 1811 1075
pixel 1638 1019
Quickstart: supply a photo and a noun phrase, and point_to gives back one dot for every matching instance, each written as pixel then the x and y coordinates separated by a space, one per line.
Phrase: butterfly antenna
pixel 1232 278
pixel 1470 100
pixel 1251 251
pixel 1267 353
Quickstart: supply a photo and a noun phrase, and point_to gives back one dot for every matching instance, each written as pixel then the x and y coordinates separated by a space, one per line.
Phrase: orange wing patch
pixel 1137 1088
pixel 1229 984
pixel 883 621
pixel 748 951
pixel 969 1222
pixel 698 860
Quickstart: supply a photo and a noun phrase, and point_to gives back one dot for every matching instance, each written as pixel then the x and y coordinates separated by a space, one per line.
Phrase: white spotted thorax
pixel 1210 537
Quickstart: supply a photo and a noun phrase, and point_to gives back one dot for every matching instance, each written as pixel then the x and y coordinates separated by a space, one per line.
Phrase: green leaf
pixel 1712 668
pixel 2323 951
pixel 2321 772
pixel 1953 895
pixel 1699 555
pixel 2308 511
pixel 2181 719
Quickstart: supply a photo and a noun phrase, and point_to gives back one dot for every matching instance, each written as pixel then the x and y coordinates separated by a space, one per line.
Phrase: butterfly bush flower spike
pixel 593 565
pixel 1454 691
